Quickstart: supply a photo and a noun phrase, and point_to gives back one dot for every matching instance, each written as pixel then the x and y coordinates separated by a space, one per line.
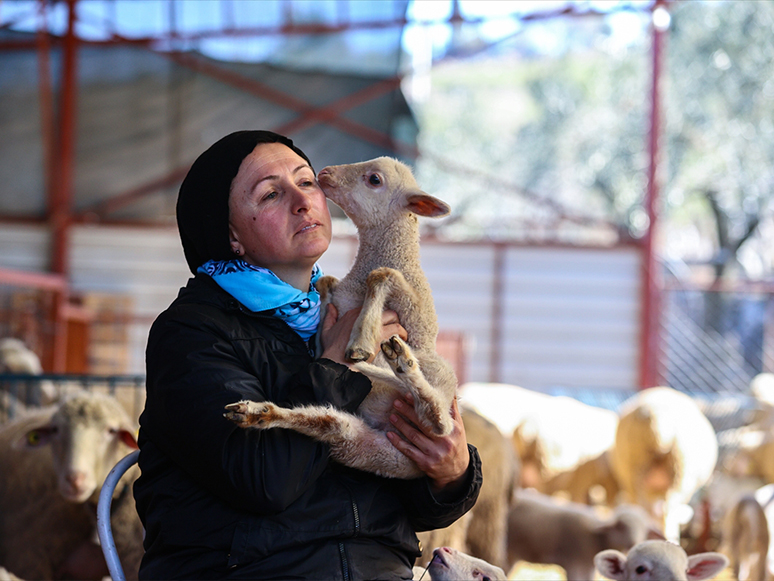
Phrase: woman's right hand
pixel 337 330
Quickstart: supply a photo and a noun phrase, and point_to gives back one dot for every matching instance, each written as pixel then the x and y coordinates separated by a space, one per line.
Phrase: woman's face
pixel 278 215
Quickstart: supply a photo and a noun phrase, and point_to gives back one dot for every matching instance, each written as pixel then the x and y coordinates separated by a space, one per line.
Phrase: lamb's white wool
pixel 54 462
pixel 659 561
pixel 384 200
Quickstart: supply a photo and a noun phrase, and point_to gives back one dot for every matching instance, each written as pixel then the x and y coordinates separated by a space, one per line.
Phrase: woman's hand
pixel 336 332
pixel 444 459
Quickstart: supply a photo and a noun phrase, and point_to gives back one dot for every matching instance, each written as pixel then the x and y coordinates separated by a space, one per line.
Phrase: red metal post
pixel 60 202
pixel 651 308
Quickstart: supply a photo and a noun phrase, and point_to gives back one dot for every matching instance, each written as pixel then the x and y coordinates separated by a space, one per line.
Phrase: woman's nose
pixel 302 201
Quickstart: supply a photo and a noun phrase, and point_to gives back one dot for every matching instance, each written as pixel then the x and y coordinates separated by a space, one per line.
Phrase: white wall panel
pixel 570 316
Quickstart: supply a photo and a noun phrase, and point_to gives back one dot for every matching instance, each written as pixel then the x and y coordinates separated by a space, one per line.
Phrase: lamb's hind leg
pixel 353 442
pixel 382 284
pixel 429 402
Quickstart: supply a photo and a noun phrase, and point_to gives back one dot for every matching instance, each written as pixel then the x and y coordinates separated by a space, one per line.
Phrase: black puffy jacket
pixel 218 501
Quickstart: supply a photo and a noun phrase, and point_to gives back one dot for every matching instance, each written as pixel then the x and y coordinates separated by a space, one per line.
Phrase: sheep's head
pixel 381 189
pixel 449 564
pixel 87 434
pixel 659 560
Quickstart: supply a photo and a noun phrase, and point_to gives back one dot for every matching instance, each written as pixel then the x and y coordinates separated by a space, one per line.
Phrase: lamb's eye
pixel 640 570
pixel 374 179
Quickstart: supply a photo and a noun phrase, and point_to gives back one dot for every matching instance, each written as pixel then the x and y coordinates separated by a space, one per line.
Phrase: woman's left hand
pixel 444 459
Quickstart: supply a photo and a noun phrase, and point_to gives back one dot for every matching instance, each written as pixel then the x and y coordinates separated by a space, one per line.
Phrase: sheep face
pixel 449 565
pixel 659 560
pixel 88 434
pixel 378 191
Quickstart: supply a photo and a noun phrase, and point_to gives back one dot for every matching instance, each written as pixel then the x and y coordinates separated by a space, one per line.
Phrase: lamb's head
pixel 630 524
pixel 658 561
pixel 451 565
pixel 378 191
pixel 88 434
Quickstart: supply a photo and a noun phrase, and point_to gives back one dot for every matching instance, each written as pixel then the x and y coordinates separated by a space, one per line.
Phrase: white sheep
pixel 659 561
pixel 448 564
pixel 746 539
pixel 52 465
pixel 553 436
pixel 665 450
pixel 17 358
pixel 482 532
pixel 384 201
pixel 542 529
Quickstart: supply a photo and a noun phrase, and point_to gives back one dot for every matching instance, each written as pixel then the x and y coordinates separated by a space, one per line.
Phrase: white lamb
pixel 17 358
pixel 665 450
pixel 52 465
pixel 384 201
pixel 746 539
pixel 542 529
pixel 449 564
pixel 659 561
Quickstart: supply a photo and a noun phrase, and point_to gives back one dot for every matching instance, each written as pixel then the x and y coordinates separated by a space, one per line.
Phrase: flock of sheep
pixel 565 483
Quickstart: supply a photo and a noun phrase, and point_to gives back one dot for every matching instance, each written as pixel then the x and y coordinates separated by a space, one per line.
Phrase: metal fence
pixel 20 392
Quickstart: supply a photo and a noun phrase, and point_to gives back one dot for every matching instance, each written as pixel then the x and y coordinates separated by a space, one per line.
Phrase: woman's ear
pixel 233 240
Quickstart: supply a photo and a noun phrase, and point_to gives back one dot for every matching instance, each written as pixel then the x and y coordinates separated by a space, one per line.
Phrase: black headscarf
pixel 202 204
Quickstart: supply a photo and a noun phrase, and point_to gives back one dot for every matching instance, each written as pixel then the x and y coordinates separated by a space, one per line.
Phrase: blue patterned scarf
pixel 259 289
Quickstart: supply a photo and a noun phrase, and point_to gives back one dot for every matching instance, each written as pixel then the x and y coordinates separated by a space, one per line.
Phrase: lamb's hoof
pixel 398 354
pixel 250 414
pixel 358 354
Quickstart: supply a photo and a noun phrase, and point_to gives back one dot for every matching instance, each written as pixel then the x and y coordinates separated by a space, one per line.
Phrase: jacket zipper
pixel 344 562
pixel 355 532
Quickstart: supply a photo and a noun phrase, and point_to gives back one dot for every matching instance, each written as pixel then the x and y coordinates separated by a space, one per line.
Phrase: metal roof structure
pixel 101 121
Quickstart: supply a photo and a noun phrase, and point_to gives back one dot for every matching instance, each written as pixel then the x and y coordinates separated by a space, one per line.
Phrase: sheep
pixel 659 560
pixel 384 201
pixel 746 539
pixel 541 529
pixel 482 532
pixel 551 437
pixel 52 465
pixel 17 358
pixel 665 450
pixel 448 564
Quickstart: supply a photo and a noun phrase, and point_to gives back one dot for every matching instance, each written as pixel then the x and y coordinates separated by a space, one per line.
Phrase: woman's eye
pixel 374 180
pixel 270 196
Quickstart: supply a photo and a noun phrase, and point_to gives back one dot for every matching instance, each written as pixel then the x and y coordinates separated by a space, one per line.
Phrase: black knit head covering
pixel 202 204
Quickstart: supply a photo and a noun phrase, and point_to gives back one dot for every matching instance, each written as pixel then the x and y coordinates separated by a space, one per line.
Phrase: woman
pixel 218 501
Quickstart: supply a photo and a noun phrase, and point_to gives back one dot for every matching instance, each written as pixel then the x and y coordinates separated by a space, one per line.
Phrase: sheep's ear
pixel 611 564
pixel 426 205
pixel 37 437
pixel 705 565
pixel 655 535
pixel 127 438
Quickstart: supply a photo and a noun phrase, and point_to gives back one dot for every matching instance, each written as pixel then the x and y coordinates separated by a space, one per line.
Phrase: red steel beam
pixel 45 91
pixel 650 325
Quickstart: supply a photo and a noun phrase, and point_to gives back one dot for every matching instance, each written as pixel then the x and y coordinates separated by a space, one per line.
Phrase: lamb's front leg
pixel 352 442
pixel 323 423
pixel 429 402
pixel 382 284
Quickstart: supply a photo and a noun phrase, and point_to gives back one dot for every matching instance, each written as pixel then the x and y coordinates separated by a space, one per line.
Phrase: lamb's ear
pixel 611 564
pixel 426 205
pixel 705 565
